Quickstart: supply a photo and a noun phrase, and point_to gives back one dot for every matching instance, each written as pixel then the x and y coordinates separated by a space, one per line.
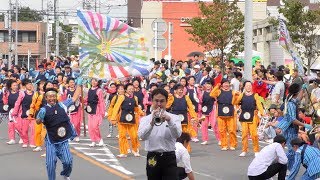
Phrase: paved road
pixel 208 161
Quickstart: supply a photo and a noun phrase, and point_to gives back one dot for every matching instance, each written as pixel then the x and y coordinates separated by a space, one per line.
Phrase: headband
pixel 51 93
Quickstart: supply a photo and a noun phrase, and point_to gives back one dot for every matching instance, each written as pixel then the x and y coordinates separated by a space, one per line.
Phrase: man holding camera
pixel 160 131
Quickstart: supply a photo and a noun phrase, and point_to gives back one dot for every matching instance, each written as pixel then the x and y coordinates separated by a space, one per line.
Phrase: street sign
pixel 161 26
pixel 49 29
pixel 161 43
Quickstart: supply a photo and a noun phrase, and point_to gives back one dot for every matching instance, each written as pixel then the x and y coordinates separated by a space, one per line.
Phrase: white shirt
pixel 235 84
pixel 270 154
pixel 183 157
pixel 160 138
pixel 278 90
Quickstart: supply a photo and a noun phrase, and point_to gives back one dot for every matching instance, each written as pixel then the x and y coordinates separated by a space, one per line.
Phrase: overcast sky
pixel 73 5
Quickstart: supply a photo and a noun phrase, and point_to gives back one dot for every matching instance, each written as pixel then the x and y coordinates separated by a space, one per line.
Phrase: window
pixel 19 37
pixel 24 36
pixel 32 36
pixel 1 36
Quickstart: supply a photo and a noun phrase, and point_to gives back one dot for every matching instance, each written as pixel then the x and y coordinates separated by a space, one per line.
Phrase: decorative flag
pixel 286 42
pixel 110 48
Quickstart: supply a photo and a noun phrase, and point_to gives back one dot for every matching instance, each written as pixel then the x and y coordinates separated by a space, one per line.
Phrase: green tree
pixel 219 25
pixel 65 38
pixel 302 25
pixel 25 14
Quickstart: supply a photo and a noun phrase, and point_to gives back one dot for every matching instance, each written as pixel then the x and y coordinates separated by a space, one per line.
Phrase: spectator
pixel 182 156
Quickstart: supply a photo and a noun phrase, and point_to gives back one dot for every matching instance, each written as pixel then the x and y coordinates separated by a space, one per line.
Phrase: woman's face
pixel 191 81
pixel 71 83
pixel 94 83
pixel 183 82
pixel 136 84
pixel 14 86
pixel 248 87
pixel 121 90
pixel 130 90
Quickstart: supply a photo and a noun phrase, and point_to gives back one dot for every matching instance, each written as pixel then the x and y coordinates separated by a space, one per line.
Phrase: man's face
pixel 71 83
pixel 41 69
pixel 191 82
pixel 159 101
pixel 179 91
pixel 51 98
pixel 29 86
pixel 226 85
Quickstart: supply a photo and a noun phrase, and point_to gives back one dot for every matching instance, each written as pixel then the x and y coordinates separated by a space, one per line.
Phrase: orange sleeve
pixel 137 109
pixel 170 101
pixel 237 101
pixel 191 110
pixel 258 103
pixel 116 108
pixel 235 96
pixel 112 103
pixel 215 92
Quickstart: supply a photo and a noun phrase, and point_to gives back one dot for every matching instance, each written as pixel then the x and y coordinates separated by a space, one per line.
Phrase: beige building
pixel 31 37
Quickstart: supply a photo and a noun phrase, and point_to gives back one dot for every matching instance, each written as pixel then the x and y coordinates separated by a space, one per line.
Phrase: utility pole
pixel 10 35
pixel 95 5
pixel 56 19
pixel 248 28
pixel 16 43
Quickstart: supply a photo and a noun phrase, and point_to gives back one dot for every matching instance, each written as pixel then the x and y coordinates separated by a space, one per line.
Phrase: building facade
pixel 31 38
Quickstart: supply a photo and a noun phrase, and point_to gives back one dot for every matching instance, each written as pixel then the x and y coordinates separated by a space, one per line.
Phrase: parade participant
pixel 183 82
pixel 96 108
pixel 205 75
pixel 181 105
pixel 250 106
pixel 183 156
pixel 74 110
pixel 138 91
pixel 289 125
pixel 309 157
pixel 112 92
pixel 38 101
pixel 160 139
pixel 59 130
pixel 3 113
pixel 9 99
pixel 68 71
pixel 147 101
pixel 193 93
pixel 226 115
pixel 21 111
pixel 42 75
pixel 127 111
pixel 271 160
pixel 208 109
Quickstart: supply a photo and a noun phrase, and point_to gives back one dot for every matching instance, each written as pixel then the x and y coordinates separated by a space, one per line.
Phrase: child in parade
pixel 250 106
pixel 127 112
pixel 226 99
pixel 112 92
pixel 208 109
pixel 95 107
pixel 21 111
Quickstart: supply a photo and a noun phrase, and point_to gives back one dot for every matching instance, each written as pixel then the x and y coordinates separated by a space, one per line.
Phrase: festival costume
pixel 59 132
pixel 127 113
pixel 208 109
pixel 96 109
pixel 74 111
pixel 249 119
pixel 147 102
pixel 193 94
pixel 20 111
pixel 9 99
pixel 226 116
pixel 182 107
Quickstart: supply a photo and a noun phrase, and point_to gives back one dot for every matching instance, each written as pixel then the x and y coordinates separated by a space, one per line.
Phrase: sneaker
pixel 204 143
pixel 20 141
pixel 77 139
pixel 224 149
pixel 24 145
pixel 232 148
pixel 11 142
pixel 121 156
pixel 109 136
pixel 93 144
pixel 43 155
pixel 195 140
pixel 66 178
pixel 37 149
pixel 219 143
pixel 32 146
pixel 100 143
pixel 129 151
pixel 136 154
pixel 243 154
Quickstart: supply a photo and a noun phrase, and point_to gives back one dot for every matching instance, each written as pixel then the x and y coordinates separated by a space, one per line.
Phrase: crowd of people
pixel 198 94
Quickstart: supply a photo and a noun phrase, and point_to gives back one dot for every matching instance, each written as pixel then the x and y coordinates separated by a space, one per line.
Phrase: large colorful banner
pixel 286 42
pixel 110 48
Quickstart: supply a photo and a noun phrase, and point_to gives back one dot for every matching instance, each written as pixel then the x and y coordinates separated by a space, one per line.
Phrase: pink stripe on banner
pixel 100 21
pixel 125 27
pixel 93 22
pixel 116 24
